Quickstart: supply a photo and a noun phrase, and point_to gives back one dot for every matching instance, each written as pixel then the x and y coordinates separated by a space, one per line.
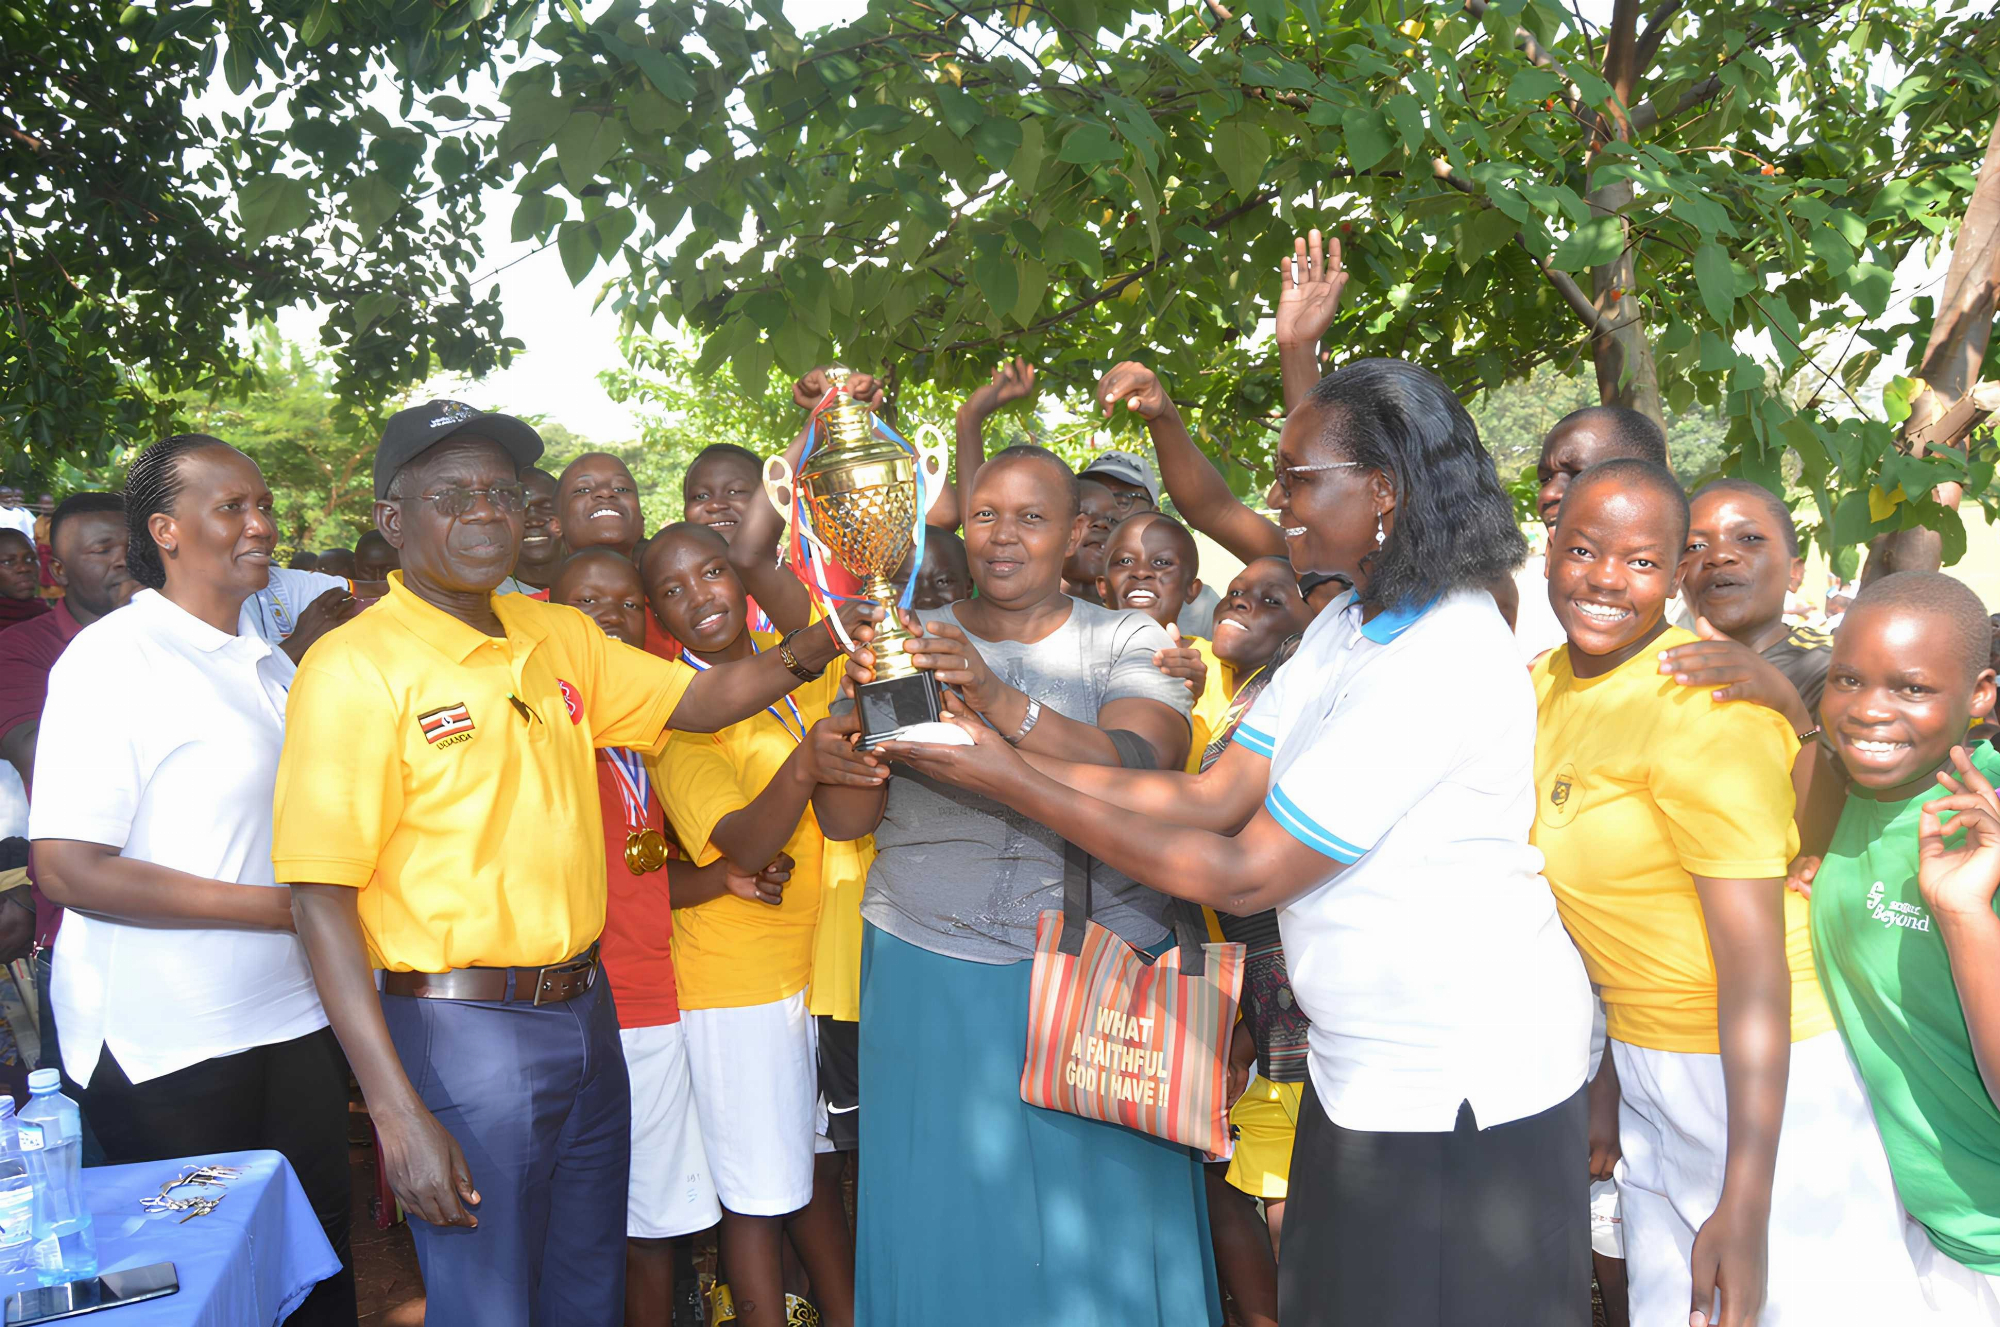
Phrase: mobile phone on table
pixel 108 1291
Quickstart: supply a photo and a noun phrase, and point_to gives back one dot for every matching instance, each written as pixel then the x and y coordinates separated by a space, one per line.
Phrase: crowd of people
pixel 1661 953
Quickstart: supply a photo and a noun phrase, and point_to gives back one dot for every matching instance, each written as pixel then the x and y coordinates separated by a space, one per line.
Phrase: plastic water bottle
pixel 17 1202
pixel 52 1144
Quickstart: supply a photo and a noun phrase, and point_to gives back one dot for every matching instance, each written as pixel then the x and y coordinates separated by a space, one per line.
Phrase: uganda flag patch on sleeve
pixel 442 723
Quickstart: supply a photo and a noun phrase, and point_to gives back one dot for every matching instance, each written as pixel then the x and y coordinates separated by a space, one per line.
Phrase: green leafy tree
pixel 139 228
pixel 318 464
pixel 934 186
pixel 929 188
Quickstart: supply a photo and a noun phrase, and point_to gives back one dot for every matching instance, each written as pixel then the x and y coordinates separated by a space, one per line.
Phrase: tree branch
pixel 1621 67
pixel 1116 287
pixel 1956 424
pixel 1572 294
pixel 1655 33
pixel 1646 115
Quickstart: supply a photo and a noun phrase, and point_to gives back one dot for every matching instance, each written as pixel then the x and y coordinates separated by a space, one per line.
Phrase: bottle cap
pixel 45 1080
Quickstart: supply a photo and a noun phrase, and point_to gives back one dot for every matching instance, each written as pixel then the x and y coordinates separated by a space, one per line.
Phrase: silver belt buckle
pixel 562 969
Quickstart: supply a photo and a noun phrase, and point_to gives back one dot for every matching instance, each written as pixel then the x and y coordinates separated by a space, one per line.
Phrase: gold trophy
pixel 861 499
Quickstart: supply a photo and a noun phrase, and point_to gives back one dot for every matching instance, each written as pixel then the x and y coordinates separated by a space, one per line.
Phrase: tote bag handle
pixel 1189 930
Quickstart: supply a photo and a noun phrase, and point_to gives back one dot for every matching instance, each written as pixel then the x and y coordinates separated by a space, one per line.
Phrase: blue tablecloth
pixel 250 1261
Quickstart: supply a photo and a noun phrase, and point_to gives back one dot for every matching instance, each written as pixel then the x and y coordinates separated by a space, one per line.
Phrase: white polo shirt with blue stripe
pixel 1434 967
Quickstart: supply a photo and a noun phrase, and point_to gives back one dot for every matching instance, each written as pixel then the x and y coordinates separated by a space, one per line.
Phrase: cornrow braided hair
pixel 152 486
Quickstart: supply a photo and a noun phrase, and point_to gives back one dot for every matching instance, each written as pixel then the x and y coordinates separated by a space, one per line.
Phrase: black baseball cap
pixel 412 432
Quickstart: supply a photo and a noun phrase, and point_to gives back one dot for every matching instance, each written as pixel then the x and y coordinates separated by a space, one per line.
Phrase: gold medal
pixel 653 845
pixel 636 858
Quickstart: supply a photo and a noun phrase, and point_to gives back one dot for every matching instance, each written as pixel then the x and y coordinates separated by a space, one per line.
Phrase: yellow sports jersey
pixel 836 963
pixel 449 776
pixel 1211 708
pixel 730 951
pixel 1641 784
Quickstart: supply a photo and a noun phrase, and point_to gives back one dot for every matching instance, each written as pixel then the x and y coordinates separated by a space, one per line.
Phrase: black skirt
pixel 1472 1228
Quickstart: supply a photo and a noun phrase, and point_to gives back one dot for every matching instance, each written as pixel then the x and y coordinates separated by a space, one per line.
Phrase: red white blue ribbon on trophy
pixel 809 560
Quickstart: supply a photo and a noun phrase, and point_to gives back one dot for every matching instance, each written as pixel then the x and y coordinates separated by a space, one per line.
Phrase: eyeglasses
pixel 1126 500
pixel 1286 471
pixel 453 503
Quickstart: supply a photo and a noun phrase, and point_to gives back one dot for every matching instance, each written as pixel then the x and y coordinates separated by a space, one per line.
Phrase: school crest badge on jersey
pixel 444 723
pixel 572 701
pixel 1559 803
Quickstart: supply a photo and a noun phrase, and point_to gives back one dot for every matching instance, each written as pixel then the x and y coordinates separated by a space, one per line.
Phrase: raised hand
pixel 1309 287
pixel 1013 381
pixel 810 390
pixel 1137 388
pixel 1960 878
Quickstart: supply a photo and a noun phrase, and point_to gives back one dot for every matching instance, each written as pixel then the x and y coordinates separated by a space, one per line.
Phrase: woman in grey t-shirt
pixel 976 1208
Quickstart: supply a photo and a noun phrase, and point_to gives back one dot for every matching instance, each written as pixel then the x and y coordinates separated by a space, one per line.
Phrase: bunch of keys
pixel 192 1175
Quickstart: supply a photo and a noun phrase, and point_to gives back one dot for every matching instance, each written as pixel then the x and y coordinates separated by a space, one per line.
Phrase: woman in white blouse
pixel 184 1003
pixel 1379 793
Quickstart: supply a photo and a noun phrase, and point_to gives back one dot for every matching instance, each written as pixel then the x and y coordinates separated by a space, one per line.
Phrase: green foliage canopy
pixel 938 184
pixel 126 272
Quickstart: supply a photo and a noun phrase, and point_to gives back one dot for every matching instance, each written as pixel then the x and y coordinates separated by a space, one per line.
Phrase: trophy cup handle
pixel 780 491
pixel 778 485
pixel 933 464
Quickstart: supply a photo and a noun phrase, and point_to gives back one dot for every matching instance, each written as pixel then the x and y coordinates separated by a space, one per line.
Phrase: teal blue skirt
pixel 978 1209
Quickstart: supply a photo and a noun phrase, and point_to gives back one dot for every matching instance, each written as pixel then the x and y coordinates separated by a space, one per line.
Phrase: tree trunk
pixel 1624 354
pixel 1952 356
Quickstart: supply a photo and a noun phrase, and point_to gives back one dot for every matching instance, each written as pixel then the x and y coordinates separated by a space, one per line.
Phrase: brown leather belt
pixel 550 985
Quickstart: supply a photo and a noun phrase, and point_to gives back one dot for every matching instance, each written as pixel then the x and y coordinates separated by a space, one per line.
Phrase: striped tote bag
pixel 1113 1037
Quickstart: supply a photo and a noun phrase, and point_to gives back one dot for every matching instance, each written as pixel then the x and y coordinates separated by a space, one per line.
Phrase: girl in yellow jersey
pixel 1753 1183
pixel 743 960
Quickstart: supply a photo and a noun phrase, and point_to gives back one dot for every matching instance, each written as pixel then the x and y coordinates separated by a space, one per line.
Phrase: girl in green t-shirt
pixel 1904 926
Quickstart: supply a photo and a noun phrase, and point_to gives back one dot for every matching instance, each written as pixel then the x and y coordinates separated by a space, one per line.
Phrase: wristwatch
pixel 791 661
pixel 1034 716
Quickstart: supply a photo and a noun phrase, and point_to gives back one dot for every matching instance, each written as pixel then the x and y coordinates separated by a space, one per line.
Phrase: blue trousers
pixel 539 1102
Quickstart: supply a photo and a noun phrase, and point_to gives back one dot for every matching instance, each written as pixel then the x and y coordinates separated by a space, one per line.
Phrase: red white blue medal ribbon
pixel 628 769
pixel 702 666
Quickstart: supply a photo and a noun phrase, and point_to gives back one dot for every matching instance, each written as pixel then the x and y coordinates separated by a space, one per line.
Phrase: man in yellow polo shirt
pixel 437 818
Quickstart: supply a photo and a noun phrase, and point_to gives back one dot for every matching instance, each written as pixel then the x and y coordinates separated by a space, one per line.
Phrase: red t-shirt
pixel 658 641
pixel 636 947
pixel 27 652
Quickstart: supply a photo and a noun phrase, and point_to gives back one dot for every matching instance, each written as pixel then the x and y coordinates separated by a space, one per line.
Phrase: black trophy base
pixel 890 705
